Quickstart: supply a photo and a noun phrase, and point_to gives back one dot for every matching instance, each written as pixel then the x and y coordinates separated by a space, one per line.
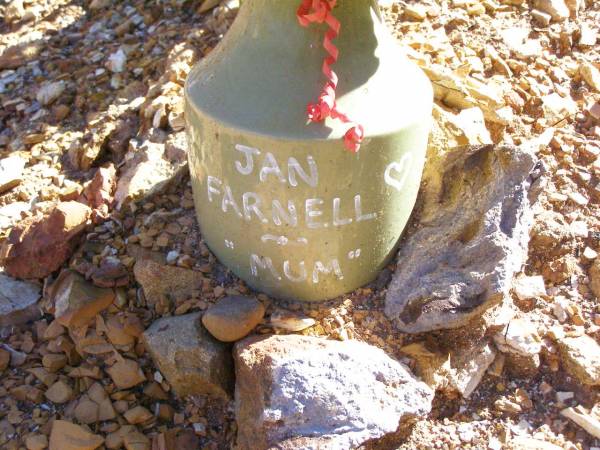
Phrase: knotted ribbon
pixel 319 11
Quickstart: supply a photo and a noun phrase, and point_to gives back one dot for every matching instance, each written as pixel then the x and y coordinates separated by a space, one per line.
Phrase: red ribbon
pixel 319 11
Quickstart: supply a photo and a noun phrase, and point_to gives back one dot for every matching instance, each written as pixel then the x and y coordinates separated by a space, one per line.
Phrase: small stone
pixel 68 436
pixel 460 370
pixel 519 336
pixel 60 392
pixel 594 272
pixel 591 75
pixel 588 36
pixel 50 92
pixel 541 17
pixel 138 415
pixel 304 392
pixel 233 317
pixel 159 280
pixel 11 172
pixel 191 360
pixel 18 301
pixel 588 420
pixel 14 11
pixel 556 8
pixel 581 358
pixel 136 441
pixel 86 411
pixel 4 360
pixel 77 302
pixel 54 362
pixel 117 61
pixel 36 442
pixel 557 108
pixel 39 245
pixel 527 288
pixel 578 198
pixel 589 253
pixel 290 321
pixel 126 373
pixel 416 11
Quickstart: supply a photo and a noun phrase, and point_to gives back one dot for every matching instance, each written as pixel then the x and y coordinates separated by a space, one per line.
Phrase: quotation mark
pixel 229 244
pixel 354 254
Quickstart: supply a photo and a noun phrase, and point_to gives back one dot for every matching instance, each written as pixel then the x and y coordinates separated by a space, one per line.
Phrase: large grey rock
pixel 461 257
pixel 304 392
pixel 18 301
pixel 192 361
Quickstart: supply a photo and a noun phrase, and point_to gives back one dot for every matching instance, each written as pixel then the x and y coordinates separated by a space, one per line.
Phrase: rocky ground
pixel 108 344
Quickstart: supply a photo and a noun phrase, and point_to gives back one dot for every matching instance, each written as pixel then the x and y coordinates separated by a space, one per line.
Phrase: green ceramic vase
pixel 280 201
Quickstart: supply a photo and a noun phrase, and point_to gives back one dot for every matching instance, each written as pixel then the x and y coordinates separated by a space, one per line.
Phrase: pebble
pixel 233 317
pixel 591 75
pixel 126 374
pixel 60 392
pixel 290 321
pixel 50 92
pixel 69 436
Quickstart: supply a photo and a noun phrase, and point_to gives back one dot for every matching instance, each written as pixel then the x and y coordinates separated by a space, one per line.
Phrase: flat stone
pixel 126 373
pixel 461 258
pixel 233 317
pixel 38 246
pixel 521 344
pixel 11 213
pixel 556 8
pixel 76 301
pixel 526 288
pixel 290 321
pixel 60 392
pixel 591 75
pixel 557 108
pixel 581 358
pixel 36 442
pixel 588 420
pixel 149 170
pixel 160 280
pixel 459 370
pixel 18 301
pixel 68 436
pixel 11 171
pixel 305 392
pixel 191 360
pixel 49 92
pixel 595 277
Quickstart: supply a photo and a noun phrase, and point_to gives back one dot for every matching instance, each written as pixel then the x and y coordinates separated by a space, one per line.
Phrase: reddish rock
pixel 40 245
pixel 77 302
pixel 99 192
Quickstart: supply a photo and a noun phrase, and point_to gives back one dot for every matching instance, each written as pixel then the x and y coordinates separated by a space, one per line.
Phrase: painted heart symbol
pixel 397 172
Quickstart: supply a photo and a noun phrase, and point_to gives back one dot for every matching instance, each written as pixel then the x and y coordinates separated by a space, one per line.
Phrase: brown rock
pixel 54 362
pixel 159 281
pixel 595 277
pixel 60 392
pixel 4 359
pixel 138 415
pixel 86 410
pixel 581 358
pixel 76 301
pixel 136 441
pixel 36 442
pixel 233 317
pixel 126 374
pixel 38 246
pixel 100 190
pixel 191 360
pixel 68 436
pixel 115 440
